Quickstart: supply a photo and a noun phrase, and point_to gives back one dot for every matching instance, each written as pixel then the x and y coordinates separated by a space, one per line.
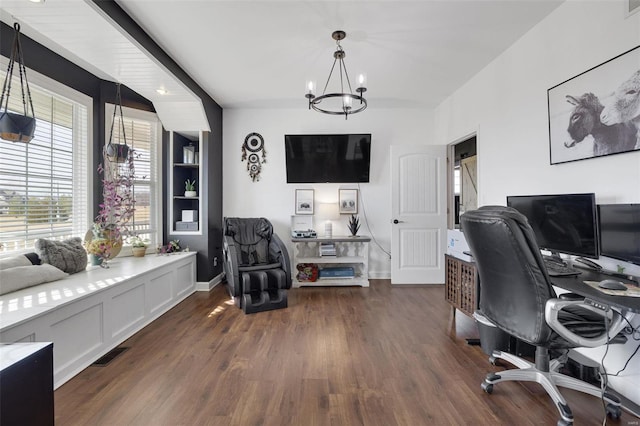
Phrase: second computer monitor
pixel 620 231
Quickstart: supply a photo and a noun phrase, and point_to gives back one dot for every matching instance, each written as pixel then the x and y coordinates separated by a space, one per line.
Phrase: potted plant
pixel 354 225
pixel 190 188
pixel 118 203
pixel 100 249
pixel 138 246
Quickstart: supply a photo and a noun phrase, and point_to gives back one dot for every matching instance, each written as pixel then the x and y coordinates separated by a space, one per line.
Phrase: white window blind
pixel 143 135
pixel 43 184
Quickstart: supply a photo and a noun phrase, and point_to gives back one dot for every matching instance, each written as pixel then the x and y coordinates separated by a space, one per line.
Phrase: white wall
pixel 506 104
pixel 273 198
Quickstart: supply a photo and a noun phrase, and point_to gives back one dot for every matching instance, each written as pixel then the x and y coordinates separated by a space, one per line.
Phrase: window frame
pixel 155 186
pixel 67 93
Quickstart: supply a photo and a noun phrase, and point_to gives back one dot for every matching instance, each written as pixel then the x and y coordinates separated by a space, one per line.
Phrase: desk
pixel 575 285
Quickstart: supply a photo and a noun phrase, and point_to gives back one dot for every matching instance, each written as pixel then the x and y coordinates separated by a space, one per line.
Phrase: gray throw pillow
pixel 20 277
pixel 67 255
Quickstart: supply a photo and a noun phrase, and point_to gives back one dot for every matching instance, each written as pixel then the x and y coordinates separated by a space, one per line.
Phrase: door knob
pixel 396 221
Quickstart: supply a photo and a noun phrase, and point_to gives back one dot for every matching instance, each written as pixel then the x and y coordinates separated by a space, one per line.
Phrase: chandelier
pixel 341 103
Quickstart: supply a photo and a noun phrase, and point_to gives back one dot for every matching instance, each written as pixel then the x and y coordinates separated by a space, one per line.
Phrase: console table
pixel 350 251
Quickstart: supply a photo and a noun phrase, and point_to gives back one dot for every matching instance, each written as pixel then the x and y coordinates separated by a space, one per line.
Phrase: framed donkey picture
pixel 596 113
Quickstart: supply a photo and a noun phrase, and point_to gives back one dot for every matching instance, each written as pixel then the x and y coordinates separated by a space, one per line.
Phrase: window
pixel 144 135
pixel 43 184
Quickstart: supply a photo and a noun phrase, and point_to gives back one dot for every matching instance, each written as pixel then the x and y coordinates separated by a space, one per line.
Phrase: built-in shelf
pixel 179 173
pixel 187 165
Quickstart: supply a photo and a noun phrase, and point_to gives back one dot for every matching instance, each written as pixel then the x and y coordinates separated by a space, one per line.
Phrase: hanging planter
pixel 16 127
pixel 117 152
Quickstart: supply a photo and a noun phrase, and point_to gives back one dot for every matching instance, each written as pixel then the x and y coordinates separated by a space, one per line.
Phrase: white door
pixel 418 214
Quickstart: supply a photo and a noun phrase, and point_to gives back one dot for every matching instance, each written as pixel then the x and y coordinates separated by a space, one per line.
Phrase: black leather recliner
pixel 256 264
pixel 517 296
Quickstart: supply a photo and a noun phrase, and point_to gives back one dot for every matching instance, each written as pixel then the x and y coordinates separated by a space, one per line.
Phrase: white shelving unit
pixel 350 251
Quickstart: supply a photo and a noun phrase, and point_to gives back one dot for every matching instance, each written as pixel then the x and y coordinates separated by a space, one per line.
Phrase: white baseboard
pixel 379 275
pixel 208 286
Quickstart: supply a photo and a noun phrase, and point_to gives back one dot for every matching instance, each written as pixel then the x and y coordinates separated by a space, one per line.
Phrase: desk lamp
pixel 328 212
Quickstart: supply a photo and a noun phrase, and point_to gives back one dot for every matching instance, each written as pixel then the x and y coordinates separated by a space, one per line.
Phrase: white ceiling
pixel 259 54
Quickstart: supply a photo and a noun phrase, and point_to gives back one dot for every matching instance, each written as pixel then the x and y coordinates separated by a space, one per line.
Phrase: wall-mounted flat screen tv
pixel 328 158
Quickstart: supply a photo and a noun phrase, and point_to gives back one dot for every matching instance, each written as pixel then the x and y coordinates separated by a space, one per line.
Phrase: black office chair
pixel 517 296
pixel 256 264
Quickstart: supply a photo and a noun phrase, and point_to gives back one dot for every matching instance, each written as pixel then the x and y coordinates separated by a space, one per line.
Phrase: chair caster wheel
pixel 563 422
pixel 614 411
pixel 493 360
pixel 487 387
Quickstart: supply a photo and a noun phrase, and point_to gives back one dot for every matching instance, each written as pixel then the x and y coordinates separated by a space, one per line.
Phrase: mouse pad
pixel 632 291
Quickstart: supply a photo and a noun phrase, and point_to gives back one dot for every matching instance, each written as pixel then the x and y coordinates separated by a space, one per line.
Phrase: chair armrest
pixel 231 264
pixel 554 306
pixel 279 251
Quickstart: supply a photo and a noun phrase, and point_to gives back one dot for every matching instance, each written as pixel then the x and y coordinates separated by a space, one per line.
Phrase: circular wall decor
pixel 254 143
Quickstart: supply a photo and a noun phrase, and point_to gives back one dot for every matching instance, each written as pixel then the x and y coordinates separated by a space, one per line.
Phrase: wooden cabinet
pixel 350 251
pixel 461 285
pixel 185 209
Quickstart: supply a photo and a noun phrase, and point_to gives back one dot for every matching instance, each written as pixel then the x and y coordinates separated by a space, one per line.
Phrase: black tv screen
pixel 620 231
pixel 563 223
pixel 327 158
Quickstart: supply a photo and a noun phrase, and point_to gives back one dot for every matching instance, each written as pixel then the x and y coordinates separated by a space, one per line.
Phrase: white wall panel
pixel 128 310
pixel 76 335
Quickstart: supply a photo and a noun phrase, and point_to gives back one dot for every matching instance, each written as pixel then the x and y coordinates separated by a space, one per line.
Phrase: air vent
pixel 109 356
pixel 634 6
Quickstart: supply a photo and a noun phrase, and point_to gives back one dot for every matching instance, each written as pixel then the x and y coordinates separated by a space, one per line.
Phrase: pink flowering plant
pixel 118 202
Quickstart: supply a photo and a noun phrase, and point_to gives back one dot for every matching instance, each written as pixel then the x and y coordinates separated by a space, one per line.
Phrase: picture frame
pixel 592 114
pixel 348 201
pixel 304 201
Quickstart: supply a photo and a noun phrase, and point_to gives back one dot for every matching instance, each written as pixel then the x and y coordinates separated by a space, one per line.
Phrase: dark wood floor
pixel 337 356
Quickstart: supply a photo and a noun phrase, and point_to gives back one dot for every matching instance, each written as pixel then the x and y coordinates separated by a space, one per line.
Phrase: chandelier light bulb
pixel 311 85
pixel 362 80
pixel 347 102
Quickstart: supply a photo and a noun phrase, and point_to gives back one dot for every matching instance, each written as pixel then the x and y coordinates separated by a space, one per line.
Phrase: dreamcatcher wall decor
pixel 253 151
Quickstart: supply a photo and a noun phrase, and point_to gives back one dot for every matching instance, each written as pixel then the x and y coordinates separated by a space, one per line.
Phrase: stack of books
pixel 327 249
pixel 336 272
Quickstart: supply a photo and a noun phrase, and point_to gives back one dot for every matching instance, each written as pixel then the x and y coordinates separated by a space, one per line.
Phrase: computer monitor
pixel 562 223
pixel 620 231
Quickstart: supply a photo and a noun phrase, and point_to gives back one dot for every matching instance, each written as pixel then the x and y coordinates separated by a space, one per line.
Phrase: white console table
pixel 350 251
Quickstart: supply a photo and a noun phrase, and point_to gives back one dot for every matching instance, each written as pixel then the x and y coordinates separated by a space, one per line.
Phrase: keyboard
pixel 555 269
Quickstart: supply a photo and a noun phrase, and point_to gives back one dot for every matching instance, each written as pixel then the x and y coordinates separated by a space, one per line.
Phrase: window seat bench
pixel 89 313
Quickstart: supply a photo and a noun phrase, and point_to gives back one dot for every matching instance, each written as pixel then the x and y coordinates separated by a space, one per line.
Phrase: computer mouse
pixel 612 285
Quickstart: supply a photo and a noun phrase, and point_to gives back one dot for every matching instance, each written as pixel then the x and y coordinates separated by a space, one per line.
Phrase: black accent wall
pixel 209 245
pixel 46 62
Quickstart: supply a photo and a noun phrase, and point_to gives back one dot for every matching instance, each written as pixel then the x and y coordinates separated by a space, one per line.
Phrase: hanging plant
pixel 117 152
pixel 114 218
pixel 15 127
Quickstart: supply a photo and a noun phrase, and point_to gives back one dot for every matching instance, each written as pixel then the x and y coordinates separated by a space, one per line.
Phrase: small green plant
pixel 620 269
pixel 190 185
pixel 136 241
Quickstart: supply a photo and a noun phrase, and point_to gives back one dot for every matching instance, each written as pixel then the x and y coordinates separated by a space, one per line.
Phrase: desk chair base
pixel 550 380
